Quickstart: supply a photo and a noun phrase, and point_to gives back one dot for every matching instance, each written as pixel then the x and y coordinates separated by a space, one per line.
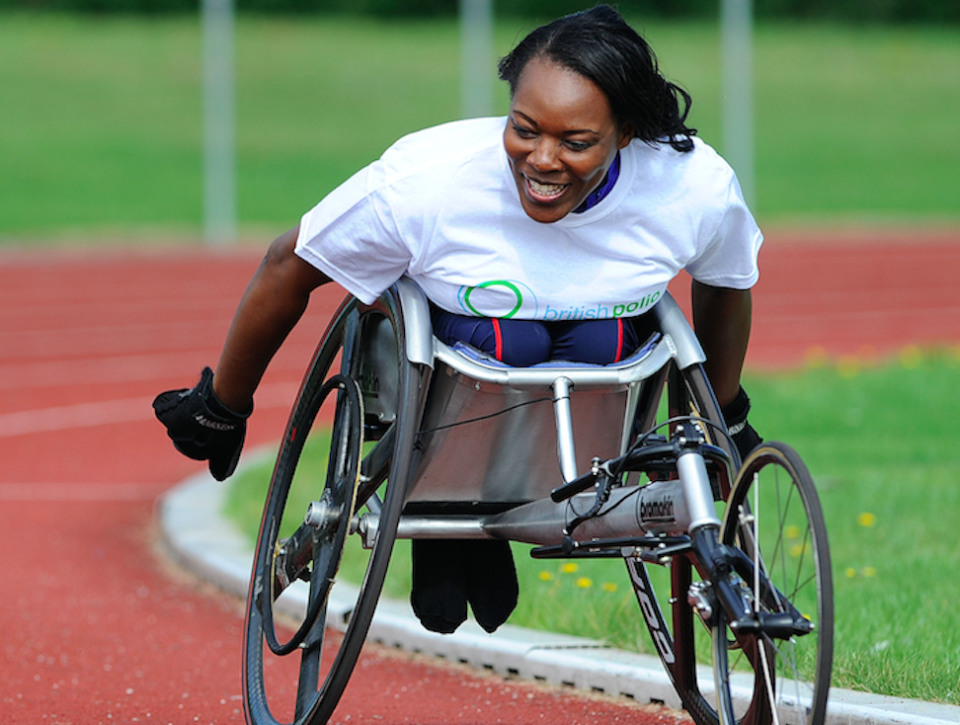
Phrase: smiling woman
pixel 561 139
pixel 545 235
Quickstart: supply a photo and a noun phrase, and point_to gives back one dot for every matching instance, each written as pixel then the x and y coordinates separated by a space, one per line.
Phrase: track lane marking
pixel 108 412
pixel 123 369
pixel 79 492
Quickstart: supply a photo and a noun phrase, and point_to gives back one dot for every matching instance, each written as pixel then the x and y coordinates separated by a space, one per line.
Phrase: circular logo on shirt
pixel 501 298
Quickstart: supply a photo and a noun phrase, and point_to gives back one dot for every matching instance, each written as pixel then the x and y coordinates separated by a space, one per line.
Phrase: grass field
pixel 880 443
pixel 100 129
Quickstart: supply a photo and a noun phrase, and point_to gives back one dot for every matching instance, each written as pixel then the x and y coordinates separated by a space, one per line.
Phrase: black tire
pixel 690 393
pixel 300 680
pixel 774 517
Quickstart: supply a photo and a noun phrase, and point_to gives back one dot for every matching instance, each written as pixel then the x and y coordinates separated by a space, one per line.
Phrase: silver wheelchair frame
pixel 440 442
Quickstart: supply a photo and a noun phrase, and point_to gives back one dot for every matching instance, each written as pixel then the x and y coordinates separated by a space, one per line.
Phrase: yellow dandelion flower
pixel 867 519
pixel 568 568
pixel 848 367
pixel 911 357
pixel 546 576
pixel 609 587
pixel 798 550
pixel 850 572
pixel 584 582
pixel 792 532
pixel 869 571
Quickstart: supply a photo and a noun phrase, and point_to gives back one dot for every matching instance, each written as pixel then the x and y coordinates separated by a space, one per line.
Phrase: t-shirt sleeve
pixel 729 257
pixel 351 236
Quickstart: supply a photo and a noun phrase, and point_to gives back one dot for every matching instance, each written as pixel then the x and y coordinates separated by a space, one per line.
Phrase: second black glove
pixel 745 438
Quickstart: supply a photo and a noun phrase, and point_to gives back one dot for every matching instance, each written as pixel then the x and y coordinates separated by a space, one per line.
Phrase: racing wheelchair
pixel 419 439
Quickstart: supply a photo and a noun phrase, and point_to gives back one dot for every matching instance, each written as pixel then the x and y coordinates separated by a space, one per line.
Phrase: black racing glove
pixel 203 428
pixel 745 438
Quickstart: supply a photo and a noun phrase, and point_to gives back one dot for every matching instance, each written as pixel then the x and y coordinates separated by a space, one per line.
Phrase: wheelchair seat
pixel 492 435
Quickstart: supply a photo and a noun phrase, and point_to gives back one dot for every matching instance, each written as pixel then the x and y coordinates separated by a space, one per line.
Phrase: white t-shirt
pixel 442 207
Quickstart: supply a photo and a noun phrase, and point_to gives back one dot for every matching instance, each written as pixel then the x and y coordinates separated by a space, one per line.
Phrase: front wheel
pixel 680 637
pixel 773 517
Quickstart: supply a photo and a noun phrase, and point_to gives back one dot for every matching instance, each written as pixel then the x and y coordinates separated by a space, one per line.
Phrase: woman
pixel 544 235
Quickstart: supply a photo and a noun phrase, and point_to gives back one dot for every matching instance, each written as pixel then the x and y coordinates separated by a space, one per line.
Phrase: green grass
pixel 880 441
pixel 882 444
pixel 101 117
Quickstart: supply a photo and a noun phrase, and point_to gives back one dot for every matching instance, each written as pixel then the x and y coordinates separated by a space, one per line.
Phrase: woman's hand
pixel 203 428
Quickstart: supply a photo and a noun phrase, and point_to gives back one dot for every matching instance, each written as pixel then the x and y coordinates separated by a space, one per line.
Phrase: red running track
pixel 98 629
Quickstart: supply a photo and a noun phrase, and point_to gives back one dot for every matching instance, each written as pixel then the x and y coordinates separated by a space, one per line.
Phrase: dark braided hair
pixel 599 45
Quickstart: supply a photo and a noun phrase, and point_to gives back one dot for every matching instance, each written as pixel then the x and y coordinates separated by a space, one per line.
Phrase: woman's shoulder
pixel 663 156
pixel 423 167
pixel 465 127
pixel 702 169
pixel 446 143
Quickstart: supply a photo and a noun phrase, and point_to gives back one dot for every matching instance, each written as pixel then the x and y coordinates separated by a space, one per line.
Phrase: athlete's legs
pixel 520 343
pixel 600 342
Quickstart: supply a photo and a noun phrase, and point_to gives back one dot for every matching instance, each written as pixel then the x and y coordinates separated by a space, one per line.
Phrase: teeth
pixel 546 189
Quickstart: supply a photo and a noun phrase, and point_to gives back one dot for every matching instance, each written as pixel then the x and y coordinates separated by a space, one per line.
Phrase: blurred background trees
pixel 879 11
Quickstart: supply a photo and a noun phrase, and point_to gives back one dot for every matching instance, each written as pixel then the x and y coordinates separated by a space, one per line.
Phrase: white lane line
pixel 79 492
pixel 120 369
pixel 65 417
pixel 106 412
pixel 133 368
pixel 124 368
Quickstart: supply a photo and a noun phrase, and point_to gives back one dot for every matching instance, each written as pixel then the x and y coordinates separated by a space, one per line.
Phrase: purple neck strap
pixel 606 186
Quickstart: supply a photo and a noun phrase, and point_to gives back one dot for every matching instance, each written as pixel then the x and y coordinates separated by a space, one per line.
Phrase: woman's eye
pixel 523 132
pixel 577 145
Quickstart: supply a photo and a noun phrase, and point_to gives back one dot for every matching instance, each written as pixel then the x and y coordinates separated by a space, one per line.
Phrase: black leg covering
pixel 449 572
pixel 492 587
pixel 439 596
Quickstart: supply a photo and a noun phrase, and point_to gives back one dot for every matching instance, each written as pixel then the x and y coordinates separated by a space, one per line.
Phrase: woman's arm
pixel 272 304
pixel 721 319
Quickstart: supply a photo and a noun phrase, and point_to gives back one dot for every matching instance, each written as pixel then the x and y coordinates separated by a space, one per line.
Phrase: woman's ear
pixel 626 136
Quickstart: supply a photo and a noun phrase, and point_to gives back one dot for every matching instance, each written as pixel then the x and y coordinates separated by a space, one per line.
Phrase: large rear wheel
pixel 326 539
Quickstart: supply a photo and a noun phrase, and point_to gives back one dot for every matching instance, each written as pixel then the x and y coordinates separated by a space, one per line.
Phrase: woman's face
pixel 561 138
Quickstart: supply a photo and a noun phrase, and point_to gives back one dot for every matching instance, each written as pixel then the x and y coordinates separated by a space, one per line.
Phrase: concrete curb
pixel 196 534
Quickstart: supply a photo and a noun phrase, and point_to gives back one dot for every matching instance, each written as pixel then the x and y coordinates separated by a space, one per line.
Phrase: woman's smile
pixel 546 192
